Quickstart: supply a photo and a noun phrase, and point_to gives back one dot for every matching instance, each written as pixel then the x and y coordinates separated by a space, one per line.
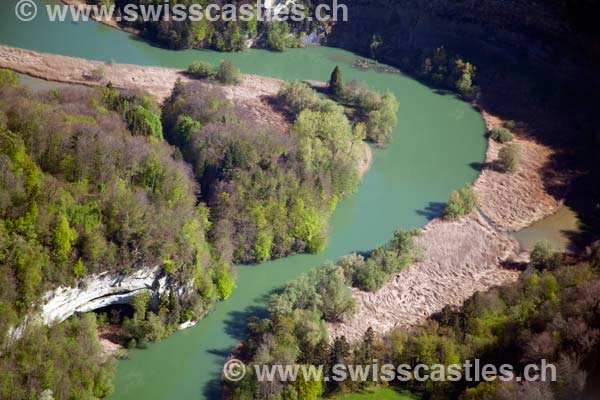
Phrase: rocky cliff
pixel 99 291
pixel 547 33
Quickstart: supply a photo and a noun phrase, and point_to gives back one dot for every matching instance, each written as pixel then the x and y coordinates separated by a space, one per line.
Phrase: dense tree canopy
pixel 222 34
pixel 87 186
pixel 270 194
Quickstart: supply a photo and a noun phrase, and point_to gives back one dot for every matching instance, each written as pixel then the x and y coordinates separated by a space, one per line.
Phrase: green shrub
pixel 227 73
pixel 298 96
pixel 510 124
pixel 509 157
pixel 381 122
pixel 201 70
pixel 543 256
pixel 501 135
pixel 461 203
pixel 8 78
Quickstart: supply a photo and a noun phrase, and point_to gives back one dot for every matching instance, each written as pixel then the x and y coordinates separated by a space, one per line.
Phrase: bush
pixel 510 124
pixel 501 135
pixel 509 157
pixel 8 78
pixel 381 122
pixel 543 255
pixel 201 70
pixel 227 73
pixel 98 74
pixel 298 96
pixel 461 203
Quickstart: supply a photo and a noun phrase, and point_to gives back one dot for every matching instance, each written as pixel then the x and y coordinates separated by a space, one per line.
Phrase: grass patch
pixel 379 394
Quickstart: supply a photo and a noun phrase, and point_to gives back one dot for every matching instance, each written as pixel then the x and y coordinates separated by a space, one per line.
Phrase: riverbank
pixel 460 258
pixel 465 256
pixel 520 196
pixel 254 94
pixel 514 201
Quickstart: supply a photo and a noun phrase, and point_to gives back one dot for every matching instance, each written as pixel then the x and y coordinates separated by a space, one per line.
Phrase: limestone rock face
pixel 98 291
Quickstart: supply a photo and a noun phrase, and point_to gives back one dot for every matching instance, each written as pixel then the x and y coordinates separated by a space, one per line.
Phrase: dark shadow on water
pixel 478 166
pixel 212 390
pixel 433 210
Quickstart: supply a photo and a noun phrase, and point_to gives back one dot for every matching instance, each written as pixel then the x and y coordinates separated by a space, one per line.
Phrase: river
pixel 437 139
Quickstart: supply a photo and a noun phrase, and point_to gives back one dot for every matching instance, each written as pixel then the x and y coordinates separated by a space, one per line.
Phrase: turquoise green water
pixel 558 229
pixel 437 139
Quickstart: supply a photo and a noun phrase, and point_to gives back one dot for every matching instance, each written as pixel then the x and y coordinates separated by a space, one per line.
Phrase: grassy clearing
pixel 379 394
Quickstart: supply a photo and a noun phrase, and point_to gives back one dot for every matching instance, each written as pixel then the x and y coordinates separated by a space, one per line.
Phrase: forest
pixel 550 313
pixel 106 180
pixel 87 185
pixel 221 34
pixel 271 193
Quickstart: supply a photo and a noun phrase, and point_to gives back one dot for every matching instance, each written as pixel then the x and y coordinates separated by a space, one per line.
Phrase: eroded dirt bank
pixel 512 202
pixel 465 256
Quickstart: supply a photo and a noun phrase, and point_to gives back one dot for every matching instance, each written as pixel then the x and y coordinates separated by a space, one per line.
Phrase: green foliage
pixel 501 135
pixel 224 281
pixel 80 194
pixel 509 157
pixel 451 72
pixel 139 112
pixel 224 34
pixel 63 361
pixel 278 36
pixel 307 389
pixel 8 78
pixel 323 289
pixel 378 112
pixel 382 121
pixel 63 238
pixel 461 203
pixel 371 273
pixel 202 70
pixel 79 269
pixel 298 97
pixel 227 73
pixel 510 124
pixel 542 254
pixel 270 193
pixel 336 83
pixel 142 121
pixel 549 313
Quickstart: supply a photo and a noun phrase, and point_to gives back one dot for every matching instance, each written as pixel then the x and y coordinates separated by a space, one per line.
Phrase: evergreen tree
pixel 336 84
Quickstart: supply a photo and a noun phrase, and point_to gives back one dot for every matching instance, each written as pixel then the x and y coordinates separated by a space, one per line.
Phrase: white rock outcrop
pixel 98 291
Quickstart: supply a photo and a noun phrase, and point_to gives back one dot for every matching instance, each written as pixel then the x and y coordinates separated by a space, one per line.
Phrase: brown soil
pixel 460 258
pixel 111 340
